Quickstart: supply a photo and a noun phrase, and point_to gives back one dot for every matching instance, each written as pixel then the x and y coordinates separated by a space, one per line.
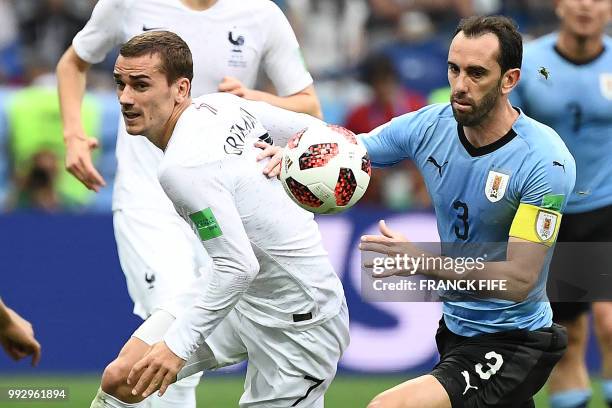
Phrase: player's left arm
pixel 206 194
pixel 285 66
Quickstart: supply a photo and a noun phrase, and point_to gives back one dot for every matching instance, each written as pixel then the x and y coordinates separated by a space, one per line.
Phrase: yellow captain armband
pixel 536 224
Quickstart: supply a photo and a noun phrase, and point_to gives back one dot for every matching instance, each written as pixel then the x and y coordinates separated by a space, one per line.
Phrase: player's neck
pixel 577 48
pixel 199 5
pixel 162 141
pixel 497 124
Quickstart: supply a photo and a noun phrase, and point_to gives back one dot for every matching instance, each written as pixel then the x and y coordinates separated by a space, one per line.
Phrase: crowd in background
pixel 371 60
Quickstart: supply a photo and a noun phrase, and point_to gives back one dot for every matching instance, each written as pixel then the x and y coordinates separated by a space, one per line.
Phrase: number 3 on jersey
pixel 462 227
pixel 493 367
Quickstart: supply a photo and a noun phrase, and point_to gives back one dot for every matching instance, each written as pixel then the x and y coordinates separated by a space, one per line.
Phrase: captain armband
pixel 536 224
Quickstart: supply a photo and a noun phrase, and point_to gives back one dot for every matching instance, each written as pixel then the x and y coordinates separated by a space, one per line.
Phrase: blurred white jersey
pixel 268 259
pixel 232 38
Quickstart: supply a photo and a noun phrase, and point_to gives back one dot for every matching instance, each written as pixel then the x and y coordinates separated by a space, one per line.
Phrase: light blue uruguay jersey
pixel 476 193
pixel 576 101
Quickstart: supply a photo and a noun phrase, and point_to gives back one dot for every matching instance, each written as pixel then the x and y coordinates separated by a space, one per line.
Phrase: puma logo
pixel 150 279
pixel 556 163
pixel 466 376
pixel 435 163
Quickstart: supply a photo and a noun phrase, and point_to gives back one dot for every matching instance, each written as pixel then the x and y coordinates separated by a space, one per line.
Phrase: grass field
pixel 221 391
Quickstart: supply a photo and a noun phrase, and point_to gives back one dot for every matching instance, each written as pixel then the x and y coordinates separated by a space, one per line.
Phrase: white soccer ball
pixel 325 169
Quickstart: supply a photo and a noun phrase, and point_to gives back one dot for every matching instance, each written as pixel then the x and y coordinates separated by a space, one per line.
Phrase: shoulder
pixel 539 137
pixel 544 145
pixel 114 6
pixel 428 114
pixel 220 99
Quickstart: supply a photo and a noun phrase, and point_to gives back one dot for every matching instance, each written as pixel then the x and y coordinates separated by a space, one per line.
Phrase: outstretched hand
pixel 390 244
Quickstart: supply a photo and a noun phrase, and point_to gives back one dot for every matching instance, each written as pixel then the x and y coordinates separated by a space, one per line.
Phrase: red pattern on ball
pixel 366 165
pixel 318 155
pixel 345 187
pixel 348 135
pixel 302 194
pixel 295 139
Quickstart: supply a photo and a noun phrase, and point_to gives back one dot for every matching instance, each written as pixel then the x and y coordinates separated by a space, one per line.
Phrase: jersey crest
pixel 605 82
pixel 495 188
pixel 545 225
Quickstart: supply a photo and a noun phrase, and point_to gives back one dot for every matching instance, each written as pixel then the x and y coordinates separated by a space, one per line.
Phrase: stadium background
pixel 58 260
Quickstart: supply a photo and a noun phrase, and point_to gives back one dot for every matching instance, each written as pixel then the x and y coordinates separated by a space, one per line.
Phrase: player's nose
pixel 126 97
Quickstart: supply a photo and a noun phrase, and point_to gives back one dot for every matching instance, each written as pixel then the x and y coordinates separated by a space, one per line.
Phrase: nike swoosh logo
pixel 145 28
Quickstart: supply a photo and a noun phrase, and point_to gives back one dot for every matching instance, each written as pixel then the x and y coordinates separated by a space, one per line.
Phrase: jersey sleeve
pixel 205 195
pixel 544 193
pixel 281 124
pixel 397 140
pixel 282 60
pixel 102 32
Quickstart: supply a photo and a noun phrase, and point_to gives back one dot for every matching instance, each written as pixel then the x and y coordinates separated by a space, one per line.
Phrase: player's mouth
pixel 584 19
pixel 461 104
pixel 130 116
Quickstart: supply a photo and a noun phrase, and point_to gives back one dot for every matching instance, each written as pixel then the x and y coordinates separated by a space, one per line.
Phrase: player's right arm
pixel 205 194
pixel 90 46
pixel 387 145
pixel 71 79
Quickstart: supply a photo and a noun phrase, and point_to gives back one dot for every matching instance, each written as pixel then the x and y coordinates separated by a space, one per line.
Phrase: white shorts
pixel 286 367
pixel 159 254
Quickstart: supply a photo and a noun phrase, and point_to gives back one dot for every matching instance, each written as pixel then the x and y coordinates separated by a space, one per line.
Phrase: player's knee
pixel 114 378
pixel 576 335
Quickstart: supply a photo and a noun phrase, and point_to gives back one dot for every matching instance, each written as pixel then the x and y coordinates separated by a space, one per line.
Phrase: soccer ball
pixel 325 169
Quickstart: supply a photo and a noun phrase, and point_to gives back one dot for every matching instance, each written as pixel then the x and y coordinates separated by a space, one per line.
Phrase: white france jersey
pixel 268 258
pixel 232 38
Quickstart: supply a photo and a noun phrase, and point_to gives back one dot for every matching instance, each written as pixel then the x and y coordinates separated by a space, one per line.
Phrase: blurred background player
pixel 230 41
pixel 17 335
pixel 574 97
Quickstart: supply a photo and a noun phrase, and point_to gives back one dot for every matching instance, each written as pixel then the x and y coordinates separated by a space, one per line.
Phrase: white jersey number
pixel 493 368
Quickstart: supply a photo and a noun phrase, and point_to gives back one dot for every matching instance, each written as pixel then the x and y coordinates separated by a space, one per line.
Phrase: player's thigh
pixel 289 367
pixel 224 347
pixel 503 369
pixel 159 255
pixel 422 392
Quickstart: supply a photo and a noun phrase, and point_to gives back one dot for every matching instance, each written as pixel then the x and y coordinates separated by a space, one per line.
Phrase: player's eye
pixel 477 74
pixel 141 86
pixel 119 84
pixel 453 68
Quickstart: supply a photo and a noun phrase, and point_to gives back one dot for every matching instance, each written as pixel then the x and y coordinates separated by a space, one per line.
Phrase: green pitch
pixel 221 391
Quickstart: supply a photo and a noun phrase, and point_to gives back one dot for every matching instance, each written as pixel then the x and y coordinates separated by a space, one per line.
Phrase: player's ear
pixel 510 80
pixel 183 89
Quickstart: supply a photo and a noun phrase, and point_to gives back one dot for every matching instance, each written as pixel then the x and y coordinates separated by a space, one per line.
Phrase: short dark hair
pixel 510 41
pixel 378 67
pixel 175 55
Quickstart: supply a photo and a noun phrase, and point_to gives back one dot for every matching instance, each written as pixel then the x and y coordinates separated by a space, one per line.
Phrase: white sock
pixel 104 400
pixel 180 394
